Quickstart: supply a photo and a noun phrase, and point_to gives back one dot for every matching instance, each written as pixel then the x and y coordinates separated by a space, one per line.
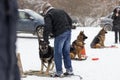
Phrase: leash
pixel 44 65
pixel 80 77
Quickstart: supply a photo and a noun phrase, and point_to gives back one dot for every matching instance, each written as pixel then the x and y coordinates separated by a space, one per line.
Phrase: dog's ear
pixel 40 41
pixel 82 32
pixel 103 28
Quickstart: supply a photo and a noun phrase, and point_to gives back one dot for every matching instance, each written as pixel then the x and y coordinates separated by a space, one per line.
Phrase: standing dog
pixel 46 56
pixel 78 46
pixel 98 41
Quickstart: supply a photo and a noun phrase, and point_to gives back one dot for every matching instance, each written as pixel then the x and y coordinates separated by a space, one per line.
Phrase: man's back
pixel 61 21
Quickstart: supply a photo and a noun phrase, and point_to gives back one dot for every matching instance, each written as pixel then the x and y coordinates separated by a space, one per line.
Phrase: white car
pixel 106 22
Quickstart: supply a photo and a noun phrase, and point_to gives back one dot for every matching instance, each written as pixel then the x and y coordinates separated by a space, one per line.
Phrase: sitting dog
pixel 46 56
pixel 78 46
pixel 98 41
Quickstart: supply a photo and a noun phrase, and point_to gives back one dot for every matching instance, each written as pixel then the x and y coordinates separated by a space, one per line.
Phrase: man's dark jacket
pixel 8 61
pixel 56 22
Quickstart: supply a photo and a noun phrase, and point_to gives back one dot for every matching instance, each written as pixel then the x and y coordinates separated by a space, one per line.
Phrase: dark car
pixel 30 22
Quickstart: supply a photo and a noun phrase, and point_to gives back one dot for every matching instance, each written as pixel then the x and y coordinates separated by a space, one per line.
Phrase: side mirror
pixel 31 18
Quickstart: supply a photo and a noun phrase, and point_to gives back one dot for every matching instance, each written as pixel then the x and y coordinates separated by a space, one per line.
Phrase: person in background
pixel 59 23
pixel 8 62
pixel 116 24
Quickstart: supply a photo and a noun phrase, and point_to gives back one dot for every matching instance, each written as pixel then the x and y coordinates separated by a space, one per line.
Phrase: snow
pixel 107 67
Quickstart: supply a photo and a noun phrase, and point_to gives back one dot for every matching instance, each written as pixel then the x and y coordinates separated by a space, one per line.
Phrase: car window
pixel 23 15
pixel 36 15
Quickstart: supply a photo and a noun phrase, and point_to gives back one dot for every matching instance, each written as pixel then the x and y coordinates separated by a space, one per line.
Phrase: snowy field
pixel 107 67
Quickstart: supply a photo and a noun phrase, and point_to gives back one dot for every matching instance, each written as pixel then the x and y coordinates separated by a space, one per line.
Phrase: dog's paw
pixel 41 72
pixel 72 55
pixel 46 73
pixel 83 57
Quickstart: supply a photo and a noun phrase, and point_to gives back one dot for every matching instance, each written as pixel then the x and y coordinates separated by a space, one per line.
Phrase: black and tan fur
pixel 78 45
pixel 46 56
pixel 98 41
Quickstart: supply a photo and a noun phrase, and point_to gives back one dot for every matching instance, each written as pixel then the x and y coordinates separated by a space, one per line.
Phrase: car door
pixel 25 23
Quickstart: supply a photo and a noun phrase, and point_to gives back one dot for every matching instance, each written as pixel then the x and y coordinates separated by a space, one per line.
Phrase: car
pixel 30 22
pixel 106 22
pixel 74 24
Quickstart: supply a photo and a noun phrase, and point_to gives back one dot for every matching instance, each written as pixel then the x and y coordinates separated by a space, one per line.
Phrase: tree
pixel 86 11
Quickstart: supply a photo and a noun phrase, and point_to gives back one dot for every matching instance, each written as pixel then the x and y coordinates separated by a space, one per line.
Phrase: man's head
pixel 45 7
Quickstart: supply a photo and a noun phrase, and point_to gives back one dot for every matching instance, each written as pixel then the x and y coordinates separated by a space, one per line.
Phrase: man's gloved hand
pixel 47 42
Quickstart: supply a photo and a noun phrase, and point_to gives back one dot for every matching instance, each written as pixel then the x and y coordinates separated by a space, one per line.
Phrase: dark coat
pixel 116 21
pixel 8 61
pixel 56 22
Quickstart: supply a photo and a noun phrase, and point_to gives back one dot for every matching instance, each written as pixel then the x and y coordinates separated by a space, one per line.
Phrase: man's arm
pixel 47 28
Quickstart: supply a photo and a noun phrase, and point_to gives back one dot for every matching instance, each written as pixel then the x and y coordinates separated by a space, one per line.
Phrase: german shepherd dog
pixel 46 56
pixel 98 41
pixel 77 46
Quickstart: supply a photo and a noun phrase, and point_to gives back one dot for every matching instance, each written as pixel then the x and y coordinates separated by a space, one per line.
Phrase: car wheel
pixel 108 27
pixel 39 31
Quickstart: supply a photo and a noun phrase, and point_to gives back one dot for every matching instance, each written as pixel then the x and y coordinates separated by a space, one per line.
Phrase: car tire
pixel 39 31
pixel 108 27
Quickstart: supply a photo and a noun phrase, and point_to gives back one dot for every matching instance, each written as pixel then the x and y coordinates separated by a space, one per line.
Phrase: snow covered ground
pixel 107 67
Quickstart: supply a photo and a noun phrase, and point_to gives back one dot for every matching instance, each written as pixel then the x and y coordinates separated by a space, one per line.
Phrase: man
pixel 59 24
pixel 8 62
